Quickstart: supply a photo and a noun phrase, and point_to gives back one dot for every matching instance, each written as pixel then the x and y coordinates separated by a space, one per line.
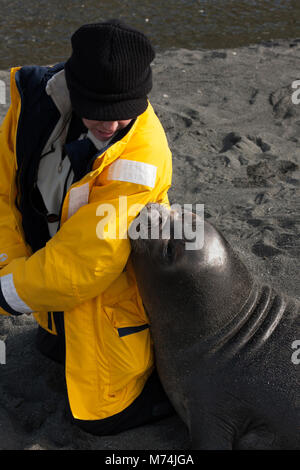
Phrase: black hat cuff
pixel 107 111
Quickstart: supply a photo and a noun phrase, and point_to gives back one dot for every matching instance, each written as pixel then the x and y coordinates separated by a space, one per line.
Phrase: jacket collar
pixel 57 89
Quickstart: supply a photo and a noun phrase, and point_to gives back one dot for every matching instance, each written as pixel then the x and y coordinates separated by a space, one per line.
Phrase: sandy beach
pixel 234 132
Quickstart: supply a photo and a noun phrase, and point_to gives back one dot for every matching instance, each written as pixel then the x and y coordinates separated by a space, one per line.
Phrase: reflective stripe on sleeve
pixel 11 297
pixel 79 196
pixel 133 172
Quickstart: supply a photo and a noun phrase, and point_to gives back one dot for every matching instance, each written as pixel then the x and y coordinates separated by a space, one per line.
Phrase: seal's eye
pixel 169 252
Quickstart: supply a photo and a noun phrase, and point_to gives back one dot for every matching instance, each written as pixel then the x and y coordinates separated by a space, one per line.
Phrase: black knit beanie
pixel 108 74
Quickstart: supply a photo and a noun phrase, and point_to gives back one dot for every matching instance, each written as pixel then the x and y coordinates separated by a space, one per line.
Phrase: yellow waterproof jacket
pixel 84 270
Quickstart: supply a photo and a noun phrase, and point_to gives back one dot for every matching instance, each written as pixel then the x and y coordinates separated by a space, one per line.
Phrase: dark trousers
pixel 150 406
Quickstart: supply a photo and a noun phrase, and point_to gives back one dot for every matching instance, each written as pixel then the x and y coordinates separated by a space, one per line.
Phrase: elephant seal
pixel 222 340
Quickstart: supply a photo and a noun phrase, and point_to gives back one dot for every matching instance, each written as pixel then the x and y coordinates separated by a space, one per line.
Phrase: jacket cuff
pixel 9 298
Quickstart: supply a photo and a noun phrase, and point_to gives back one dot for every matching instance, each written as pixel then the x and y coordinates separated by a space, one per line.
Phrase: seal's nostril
pixel 153 216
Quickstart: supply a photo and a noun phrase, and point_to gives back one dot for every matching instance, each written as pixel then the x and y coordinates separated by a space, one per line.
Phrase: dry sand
pixel 235 137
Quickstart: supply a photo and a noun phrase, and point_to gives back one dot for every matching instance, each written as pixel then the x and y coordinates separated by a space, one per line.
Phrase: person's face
pixel 104 130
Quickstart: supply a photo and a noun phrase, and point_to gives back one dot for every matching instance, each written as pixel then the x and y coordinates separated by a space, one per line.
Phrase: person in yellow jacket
pixel 81 152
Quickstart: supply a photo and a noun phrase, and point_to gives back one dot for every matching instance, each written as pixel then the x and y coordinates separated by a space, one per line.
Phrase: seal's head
pixel 187 273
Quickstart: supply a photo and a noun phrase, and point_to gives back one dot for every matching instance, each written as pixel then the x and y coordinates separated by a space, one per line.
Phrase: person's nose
pixel 110 126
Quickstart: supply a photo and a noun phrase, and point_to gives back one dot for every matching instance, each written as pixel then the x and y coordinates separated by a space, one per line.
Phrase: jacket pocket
pixel 127 343
pixel 129 330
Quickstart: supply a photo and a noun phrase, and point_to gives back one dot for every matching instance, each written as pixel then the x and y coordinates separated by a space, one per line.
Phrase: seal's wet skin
pixel 223 342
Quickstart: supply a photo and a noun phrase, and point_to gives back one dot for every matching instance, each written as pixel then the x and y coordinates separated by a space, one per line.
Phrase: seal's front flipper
pixel 209 431
pixel 259 438
pixel 213 427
